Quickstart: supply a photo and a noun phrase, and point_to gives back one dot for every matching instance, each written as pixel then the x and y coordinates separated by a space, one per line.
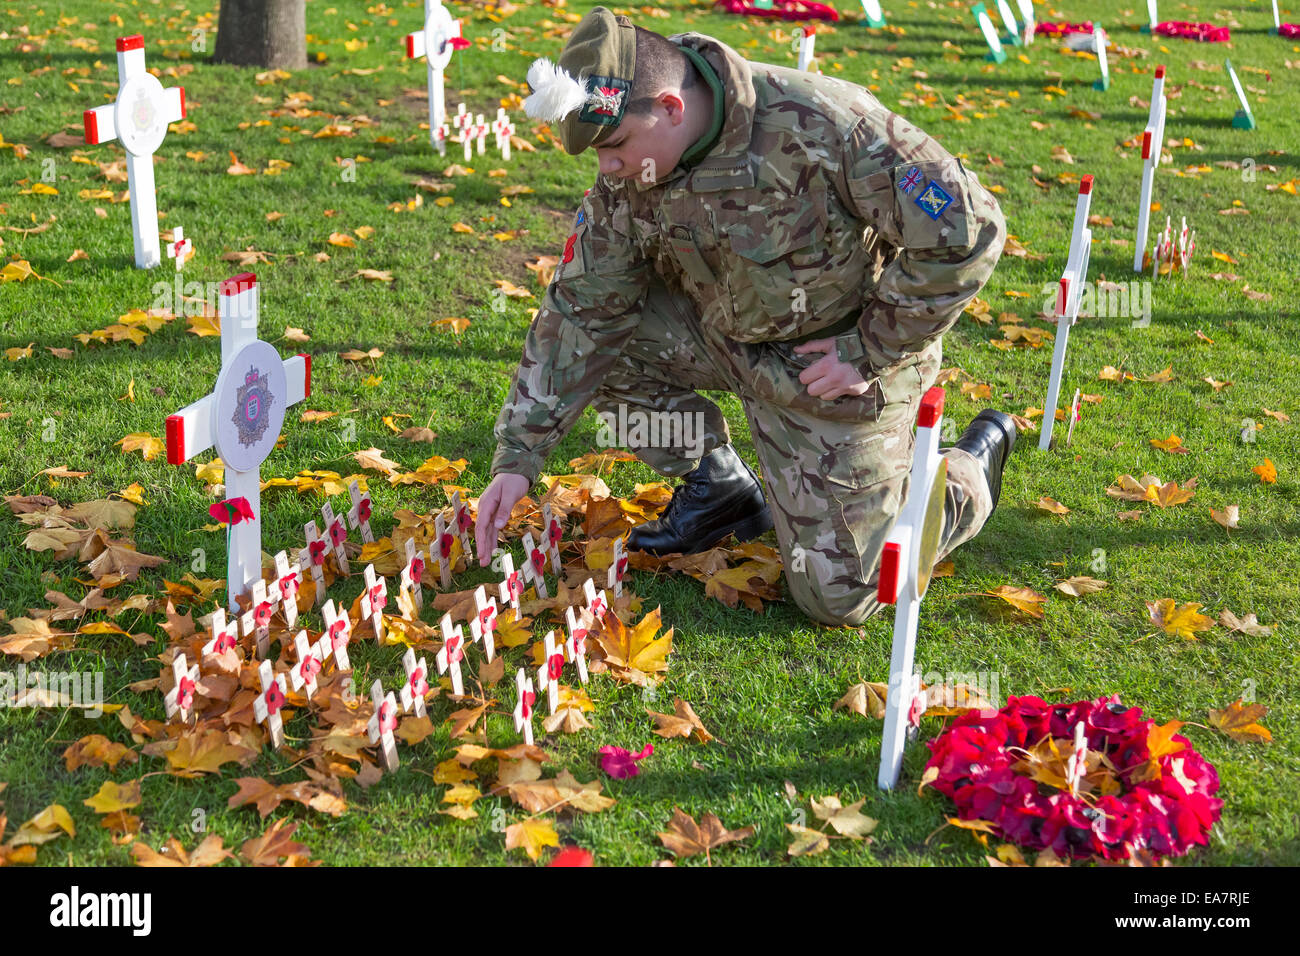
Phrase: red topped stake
pixel 135 42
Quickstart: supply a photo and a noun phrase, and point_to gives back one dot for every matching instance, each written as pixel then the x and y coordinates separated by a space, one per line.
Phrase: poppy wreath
pixel 1061 29
pixel 1201 32
pixel 1146 792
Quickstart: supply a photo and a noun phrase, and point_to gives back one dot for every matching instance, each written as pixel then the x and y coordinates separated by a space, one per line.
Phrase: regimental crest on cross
pixel 143 112
pixel 606 100
pixel 253 407
pixel 933 201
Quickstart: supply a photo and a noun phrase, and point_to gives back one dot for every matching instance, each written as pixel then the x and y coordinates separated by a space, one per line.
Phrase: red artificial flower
pixel 417 570
pixel 620 763
pixel 538 559
pixel 444 546
pixel 185 694
pixel 274 699
pixel 572 856
pixel 316 549
pixel 554 666
pixel 232 511
pixel 419 686
pixel 526 701
pixel 363 511
pixel 310 668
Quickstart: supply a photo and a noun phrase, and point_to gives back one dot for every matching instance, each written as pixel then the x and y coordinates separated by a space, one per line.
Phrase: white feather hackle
pixel 555 95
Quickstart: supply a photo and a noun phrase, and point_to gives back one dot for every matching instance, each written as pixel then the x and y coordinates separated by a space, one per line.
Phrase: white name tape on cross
pixel 138 119
pixel 242 420
pixel 1068 296
pixel 905 567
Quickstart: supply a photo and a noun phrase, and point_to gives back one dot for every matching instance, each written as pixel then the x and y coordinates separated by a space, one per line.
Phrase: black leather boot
pixel 990 438
pixel 721 496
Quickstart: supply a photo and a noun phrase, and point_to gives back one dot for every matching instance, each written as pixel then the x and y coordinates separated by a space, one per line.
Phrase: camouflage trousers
pixel 835 473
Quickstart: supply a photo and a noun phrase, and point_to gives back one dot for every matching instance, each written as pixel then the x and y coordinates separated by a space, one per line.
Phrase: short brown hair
pixel 660 65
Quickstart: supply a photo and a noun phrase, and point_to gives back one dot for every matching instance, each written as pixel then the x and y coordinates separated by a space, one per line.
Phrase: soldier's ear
pixel 673 105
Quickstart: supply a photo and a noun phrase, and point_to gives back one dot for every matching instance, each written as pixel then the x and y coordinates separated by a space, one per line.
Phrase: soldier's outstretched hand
pixel 494 508
pixel 827 378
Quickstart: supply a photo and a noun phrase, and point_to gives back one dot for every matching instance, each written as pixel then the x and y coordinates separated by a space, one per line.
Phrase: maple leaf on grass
pixel 865 698
pixel 33 638
pixel 568 715
pixel 275 843
pixel 1240 722
pixel 1247 625
pixel 1228 517
pixel 113 797
pixel 751 582
pixel 208 853
pixel 683 722
pixel 1185 621
pixel 686 838
pixel 807 841
pixel 1079 585
pixel 532 836
pixel 50 824
pixel 201 751
pixel 635 655
pixel 846 821
pixel 1025 600
pixel 267 796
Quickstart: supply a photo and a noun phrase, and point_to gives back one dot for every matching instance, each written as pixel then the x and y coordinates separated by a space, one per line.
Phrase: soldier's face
pixel 648 145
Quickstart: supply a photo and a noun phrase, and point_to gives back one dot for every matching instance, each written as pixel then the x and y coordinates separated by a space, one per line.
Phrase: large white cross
pixel 242 419
pixel 1153 138
pixel 440 38
pixel 905 566
pixel 138 118
pixel 1068 296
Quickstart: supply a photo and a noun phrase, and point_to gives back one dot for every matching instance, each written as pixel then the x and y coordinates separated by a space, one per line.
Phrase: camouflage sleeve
pixel 947 229
pixel 589 312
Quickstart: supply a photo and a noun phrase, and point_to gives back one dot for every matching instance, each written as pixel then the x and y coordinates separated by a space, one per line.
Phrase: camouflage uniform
pixel 817 210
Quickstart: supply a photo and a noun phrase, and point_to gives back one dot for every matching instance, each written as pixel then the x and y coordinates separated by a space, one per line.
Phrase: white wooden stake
pixel 575 644
pixel 548 674
pixel 412 572
pixel 1100 40
pixel 179 248
pixel 242 419
pixel 416 686
pixel 1074 417
pixel 338 631
pixel 1077 766
pixel 511 587
pixel 383 723
pixel 452 653
pixel 310 658
pixel 905 567
pixel 617 569
pixel 1153 18
pixel 806 47
pixel 481 130
pixel 534 564
pixel 1068 297
pixel 225 636
pixel 484 625
pixel 267 705
pixel 373 600
pixel 1153 140
pixel 440 38
pixel 1244 118
pixel 1276 28
pixel 180 699
pixel 288 578
pixel 313 556
pixel 359 514
pixel 336 533
pixel 257 619
pixel 990 34
pixel 875 16
pixel 1012 36
pixel 524 700
pixel 138 118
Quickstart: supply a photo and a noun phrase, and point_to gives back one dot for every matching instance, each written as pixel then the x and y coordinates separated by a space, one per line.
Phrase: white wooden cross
pixel 439 39
pixel 179 248
pixel 288 578
pixel 534 564
pixel 552 532
pixel 806 44
pixel 617 569
pixel 525 698
pixel 1077 766
pixel 875 16
pixel 1153 140
pixel 225 636
pixel 484 625
pixel 463 522
pixel 138 118
pixel 359 514
pixel 412 572
pixel 1244 118
pixel 481 129
pixel 383 723
pixel 1068 297
pixel 1186 246
pixel 373 599
pixel 242 419
pixel 180 699
pixel 257 619
pixel 1100 40
pixel 502 128
pixel 313 556
pixel 310 659
pixel 417 684
pixel 440 550
pixel 338 631
pixel 575 644
pixel 440 134
pixel 460 122
pixel 596 604
pixel 452 653
pixel 466 124
pixel 548 675
pixel 336 533
pixel 266 708
pixel 905 566
pixel 511 587
pixel 990 34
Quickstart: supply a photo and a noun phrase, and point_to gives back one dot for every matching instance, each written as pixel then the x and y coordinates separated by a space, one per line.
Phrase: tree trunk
pixel 271 34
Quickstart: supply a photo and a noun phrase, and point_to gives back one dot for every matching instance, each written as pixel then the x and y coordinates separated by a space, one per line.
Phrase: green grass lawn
pixel 763 684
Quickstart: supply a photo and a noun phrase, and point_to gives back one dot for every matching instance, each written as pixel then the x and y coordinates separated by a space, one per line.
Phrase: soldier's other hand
pixel 494 508
pixel 829 378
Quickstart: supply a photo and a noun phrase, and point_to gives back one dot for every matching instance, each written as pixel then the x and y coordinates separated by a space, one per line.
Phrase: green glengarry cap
pixel 587 90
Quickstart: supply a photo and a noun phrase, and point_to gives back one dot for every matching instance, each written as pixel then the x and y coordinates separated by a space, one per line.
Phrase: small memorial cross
pixel 310 658
pixel 269 701
pixel 484 625
pixel 617 569
pixel 336 533
pixel 288 578
pixel 412 572
pixel 313 556
pixel 338 631
pixel 548 674
pixel 373 600
pixel 525 698
pixel 417 684
pixel 1068 296
pixel 534 564
pixel 552 531
pixel 440 550
pixel 257 619
pixel 575 644
pixel 383 723
pixel 179 248
pixel 452 653
pixel 359 514
pixel 180 699
pixel 511 588
pixel 225 635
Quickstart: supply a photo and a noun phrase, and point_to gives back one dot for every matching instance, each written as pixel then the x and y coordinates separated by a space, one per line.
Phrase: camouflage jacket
pixel 815 204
